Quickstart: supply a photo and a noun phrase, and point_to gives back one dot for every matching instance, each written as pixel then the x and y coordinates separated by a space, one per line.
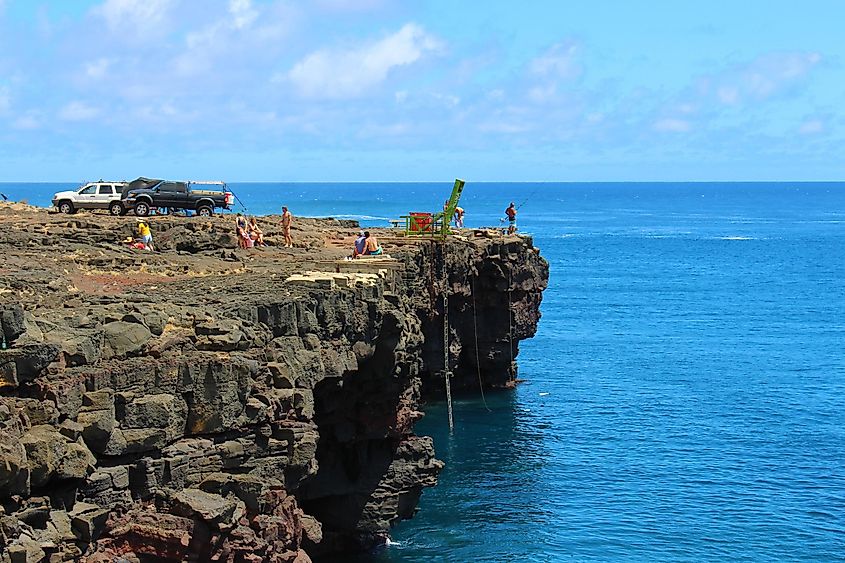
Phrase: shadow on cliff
pixel 362 434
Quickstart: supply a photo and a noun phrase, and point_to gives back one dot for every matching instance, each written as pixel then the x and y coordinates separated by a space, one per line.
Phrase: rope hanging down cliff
pixel 511 370
pixel 446 374
pixel 475 330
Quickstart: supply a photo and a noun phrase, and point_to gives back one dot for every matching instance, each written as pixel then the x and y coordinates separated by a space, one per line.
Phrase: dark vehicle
pixel 144 194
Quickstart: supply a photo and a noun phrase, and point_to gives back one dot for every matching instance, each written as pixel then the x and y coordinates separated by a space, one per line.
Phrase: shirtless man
pixel 287 219
pixel 459 217
pixel 371 245
pixel 510 212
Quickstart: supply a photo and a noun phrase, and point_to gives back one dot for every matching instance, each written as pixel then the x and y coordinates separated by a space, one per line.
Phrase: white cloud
pixel 812 127
pixel 560 61
pixel 242 12
pixel 401 96
pixel 348 5
pixel 448 99
pixel 78 111
pixel 133 16
pixel 542 94
pixel 5 97
pixel 728 95
pixel 345 73
pixel 98 68
pixel 759 79
pixel 510 128
pixel 205 46
pixel 27 122
pixel 670 125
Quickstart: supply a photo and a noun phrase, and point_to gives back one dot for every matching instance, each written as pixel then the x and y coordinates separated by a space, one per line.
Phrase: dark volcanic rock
pixel 179 405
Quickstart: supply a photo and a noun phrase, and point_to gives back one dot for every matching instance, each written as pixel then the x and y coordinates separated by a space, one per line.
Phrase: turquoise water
pixel 686 388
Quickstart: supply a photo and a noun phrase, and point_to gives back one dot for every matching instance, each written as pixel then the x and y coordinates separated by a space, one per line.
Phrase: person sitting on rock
pixel 255 234
pixel 241 231
pixel 371 245
pixel 360 244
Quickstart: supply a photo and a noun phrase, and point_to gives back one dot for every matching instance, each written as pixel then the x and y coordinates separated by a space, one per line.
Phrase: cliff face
pixel 240 415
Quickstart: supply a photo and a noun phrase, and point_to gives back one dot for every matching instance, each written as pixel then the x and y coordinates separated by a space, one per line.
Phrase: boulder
pixel 14 473
pixel 209 507
pixel 122 339
pixel 83 348
pixel 77 462
pixel 98 400
pixel 38 412
pixel 157 411
pixel 88 521
pixel 11 322
pixel 97 428
pixel 45 448
pixel 29 361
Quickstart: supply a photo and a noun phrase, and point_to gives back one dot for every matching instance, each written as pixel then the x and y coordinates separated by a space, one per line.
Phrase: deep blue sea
pixel 685 395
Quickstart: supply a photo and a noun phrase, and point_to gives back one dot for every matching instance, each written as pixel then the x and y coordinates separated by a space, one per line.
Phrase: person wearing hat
pixel 145 234
pixel 360 243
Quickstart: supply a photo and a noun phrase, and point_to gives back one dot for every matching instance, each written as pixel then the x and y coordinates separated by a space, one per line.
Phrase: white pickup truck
pixel 93 195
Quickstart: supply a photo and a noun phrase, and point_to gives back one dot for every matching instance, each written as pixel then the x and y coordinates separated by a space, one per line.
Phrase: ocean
pixel 685 391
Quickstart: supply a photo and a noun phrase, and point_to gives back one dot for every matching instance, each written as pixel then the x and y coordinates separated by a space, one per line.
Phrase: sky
pixel 415 90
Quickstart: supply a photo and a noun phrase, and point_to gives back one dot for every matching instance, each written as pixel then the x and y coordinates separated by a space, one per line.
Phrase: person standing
pixel 510 212
pixel 287 219
pixel 145 235
pixel 459 217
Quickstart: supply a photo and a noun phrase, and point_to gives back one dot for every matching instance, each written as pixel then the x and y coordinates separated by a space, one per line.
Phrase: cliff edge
pixel 208 403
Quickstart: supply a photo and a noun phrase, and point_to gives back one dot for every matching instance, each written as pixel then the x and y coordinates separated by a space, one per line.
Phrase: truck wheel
pixel 142 209
pixel 116 209
pixel 66 207
pixel 205 211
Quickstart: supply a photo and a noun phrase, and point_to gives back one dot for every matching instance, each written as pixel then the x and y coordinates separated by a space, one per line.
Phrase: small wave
pixel 736 238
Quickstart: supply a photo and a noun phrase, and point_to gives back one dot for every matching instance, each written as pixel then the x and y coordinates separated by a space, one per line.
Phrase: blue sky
pixel 412 90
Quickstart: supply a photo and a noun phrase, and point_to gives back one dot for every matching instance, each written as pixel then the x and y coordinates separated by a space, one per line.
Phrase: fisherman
pixel 287 219
pixel 145 234
pixel 371 245
pixel 459 217
pixel 510 212
pixel 360 244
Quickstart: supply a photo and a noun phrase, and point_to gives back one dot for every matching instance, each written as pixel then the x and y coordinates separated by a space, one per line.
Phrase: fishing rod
pixel 524 201
pixel 246 211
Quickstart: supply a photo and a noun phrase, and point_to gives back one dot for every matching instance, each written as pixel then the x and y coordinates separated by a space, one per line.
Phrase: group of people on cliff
pixel 366 245
pixel 249 234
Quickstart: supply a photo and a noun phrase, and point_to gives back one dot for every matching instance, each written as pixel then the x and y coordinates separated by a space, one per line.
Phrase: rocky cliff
pixel 212 404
